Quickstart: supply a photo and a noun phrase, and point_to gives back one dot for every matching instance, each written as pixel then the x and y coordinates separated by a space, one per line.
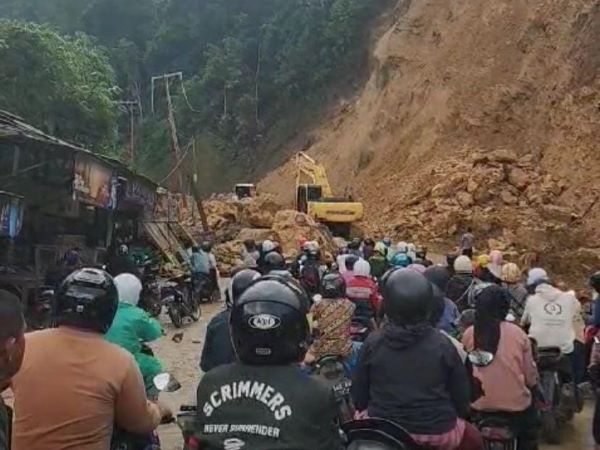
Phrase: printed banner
pixel 94 183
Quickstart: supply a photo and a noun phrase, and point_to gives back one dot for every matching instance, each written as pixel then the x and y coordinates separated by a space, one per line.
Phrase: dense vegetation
pixel 252 70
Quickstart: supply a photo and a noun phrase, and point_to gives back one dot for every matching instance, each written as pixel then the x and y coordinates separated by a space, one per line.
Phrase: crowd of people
pixel 430 347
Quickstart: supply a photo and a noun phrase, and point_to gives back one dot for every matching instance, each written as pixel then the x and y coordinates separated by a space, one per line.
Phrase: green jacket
pixel 133 326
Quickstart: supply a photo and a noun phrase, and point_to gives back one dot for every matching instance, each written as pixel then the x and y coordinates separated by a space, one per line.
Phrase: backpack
pixel 473 291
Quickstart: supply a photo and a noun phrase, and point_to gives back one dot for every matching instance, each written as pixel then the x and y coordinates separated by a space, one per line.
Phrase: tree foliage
pixel 250 67
pixel 62 84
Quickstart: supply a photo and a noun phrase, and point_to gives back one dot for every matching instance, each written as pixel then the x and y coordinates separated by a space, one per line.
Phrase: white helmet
pixel 312 247
pixel 129 288
pixel 362 268
pixel 268 246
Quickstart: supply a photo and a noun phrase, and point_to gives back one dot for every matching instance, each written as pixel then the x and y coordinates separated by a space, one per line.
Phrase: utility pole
pixel 133 107
pixel 178 184
pixel 196 191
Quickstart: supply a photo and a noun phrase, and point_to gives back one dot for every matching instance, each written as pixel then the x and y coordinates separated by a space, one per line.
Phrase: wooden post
pixel 196 191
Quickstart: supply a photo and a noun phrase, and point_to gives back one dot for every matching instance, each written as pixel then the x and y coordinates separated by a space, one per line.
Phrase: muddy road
pixel 182 360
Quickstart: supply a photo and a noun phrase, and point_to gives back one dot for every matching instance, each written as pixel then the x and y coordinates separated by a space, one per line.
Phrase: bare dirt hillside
pixel 455 85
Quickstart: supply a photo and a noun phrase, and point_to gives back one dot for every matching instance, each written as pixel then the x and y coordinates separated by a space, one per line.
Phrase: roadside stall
pixel 64 209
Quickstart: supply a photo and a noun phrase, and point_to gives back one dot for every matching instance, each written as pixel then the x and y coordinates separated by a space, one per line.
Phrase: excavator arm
pixel 315 172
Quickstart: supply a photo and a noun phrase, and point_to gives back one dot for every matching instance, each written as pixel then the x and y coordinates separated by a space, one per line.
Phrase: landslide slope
pixel 454 81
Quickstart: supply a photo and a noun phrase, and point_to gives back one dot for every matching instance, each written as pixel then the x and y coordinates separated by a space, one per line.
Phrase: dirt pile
pixel 452 80
pixel 260 218
pixel 509 201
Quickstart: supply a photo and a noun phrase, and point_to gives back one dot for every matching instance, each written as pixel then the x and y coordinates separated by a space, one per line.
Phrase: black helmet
pixel 438 305
pixel 354 244
pixel 349 262
pixel 268 323
pixel 333 286
pixel 87 299
pixel 206 246
pixel 450 258
pixel 595 282
pixel 239 283
pixel 408 297
pixel 274 261
pixel 439 276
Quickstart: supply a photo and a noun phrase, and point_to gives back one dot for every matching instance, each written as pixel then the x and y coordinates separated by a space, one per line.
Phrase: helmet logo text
pixel 264 322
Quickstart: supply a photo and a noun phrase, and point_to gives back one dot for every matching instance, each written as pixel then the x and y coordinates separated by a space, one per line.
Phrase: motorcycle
pixel 39 315
pixel 496 432
pixel 360 328
pixel 559 396
pixel 331 370
pixel 124 440
pixel 206 288
pixel 150 300
pixel 186 419
pixel 177 296
pixel 494 427
pixel 377 434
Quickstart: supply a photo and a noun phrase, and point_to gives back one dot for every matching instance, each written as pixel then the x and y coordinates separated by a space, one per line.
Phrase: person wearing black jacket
pixel 411 374
pixel 264 401
pixel 218 349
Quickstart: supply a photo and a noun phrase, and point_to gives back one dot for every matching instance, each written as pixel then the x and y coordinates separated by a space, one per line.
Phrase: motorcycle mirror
pixel 164 382
pixel 481 358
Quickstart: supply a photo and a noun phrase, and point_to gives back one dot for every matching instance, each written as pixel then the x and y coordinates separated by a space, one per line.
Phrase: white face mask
pixel 593 293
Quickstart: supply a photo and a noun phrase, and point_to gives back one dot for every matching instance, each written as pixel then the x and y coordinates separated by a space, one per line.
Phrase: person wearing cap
pixel 460 283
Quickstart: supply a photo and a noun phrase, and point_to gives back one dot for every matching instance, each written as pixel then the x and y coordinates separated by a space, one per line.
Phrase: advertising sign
pixel 94 183
pixel 11 215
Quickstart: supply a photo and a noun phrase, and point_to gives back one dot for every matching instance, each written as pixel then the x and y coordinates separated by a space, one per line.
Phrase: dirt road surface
pixel 182 360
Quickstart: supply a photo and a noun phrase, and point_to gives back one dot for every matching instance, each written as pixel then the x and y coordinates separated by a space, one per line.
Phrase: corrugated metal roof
pixel 14 127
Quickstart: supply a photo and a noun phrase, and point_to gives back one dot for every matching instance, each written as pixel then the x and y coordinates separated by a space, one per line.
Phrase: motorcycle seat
pixel 378 434
pixel 549 356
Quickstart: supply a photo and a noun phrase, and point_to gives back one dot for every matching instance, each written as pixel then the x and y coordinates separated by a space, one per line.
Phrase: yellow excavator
pixel 316 199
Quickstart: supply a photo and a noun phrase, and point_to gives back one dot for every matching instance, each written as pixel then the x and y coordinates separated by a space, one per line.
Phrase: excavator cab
pixel 245 190
pixel 306 193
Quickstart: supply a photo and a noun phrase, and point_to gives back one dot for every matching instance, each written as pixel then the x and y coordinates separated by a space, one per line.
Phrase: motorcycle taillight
pixel 193 444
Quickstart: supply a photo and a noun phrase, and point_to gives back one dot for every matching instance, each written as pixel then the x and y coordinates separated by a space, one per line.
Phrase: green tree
pixel 63 84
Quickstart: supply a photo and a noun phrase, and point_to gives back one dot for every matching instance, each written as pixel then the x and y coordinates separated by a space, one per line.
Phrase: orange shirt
pixel 72 387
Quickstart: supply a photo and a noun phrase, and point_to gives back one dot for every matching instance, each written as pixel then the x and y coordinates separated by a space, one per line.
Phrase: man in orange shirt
pixel 74 386
pixel 12 346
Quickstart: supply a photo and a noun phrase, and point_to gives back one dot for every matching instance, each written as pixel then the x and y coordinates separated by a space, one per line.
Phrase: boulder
pixel 495 244
pixel 518 178
pixel 291 225
pixel 503 156
pixel 441 190
pixel 472 185
pixel 508 198
pixel 257 234
pixel 228 256
pixel 465 200
pixel 259 218
pixel 556 213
